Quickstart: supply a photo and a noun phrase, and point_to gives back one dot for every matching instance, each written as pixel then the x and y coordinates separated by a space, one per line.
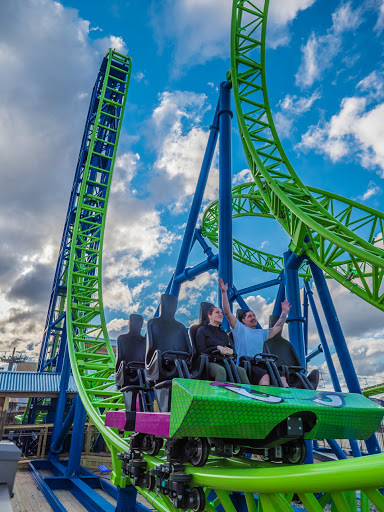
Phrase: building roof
pixel 33 384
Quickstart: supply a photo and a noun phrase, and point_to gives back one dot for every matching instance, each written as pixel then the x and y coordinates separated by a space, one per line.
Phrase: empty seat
pixel 130 367
pixel 288 360
pixel 169 351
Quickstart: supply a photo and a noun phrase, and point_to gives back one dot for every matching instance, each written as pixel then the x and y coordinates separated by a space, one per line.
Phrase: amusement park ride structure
pixel 331 237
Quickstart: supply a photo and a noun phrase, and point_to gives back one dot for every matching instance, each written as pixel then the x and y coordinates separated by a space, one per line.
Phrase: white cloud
pixel 319 51
pixel 117 324
pixel 357 130
pixel 139 76
pixel 181 144
pixel 372 190
pixel 198 41
pixel 298 105
pixel 380 19
pixel 242 177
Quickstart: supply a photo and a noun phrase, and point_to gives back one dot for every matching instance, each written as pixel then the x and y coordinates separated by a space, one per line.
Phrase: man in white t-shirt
pixel 249 340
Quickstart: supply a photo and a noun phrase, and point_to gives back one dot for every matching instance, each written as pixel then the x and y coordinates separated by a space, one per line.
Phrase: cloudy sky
pixel 326 85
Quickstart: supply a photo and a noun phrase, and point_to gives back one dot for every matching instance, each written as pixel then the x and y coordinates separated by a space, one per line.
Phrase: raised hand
pixel 285 307
pixel 223 286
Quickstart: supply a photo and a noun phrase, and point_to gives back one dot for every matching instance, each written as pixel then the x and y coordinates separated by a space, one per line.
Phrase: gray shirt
pixel 248 342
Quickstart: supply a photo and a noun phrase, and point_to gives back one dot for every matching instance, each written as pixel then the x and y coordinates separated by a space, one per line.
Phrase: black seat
pixel 203 319
pixel 169 351
pixel 130 369
pixel 288 361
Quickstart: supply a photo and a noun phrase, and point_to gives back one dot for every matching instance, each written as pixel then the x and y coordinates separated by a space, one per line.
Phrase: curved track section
pixel 356 275
pixel 313 228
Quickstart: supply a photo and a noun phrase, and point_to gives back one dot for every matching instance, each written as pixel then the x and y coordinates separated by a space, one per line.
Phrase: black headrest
pixel 204 308
pixel 135 323
pixel 272 320
pixel 240 312
pixel 168 306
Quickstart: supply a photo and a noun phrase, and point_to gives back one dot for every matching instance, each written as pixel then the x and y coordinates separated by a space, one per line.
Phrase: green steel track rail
pixel 313 228
pixel 247 200
pixel 93 360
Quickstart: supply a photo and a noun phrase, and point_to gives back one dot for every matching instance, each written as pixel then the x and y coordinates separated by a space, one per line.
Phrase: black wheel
pixel 200 448
pixel 156 445
pixel 294 452
pixel 237 451
pixel 151 482
pixel 197 499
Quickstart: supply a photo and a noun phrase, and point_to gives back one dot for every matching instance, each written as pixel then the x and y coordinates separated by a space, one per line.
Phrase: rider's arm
pixel 285 307
pixel 225 303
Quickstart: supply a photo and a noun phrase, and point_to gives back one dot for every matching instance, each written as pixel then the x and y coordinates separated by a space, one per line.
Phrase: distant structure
pixel 12 359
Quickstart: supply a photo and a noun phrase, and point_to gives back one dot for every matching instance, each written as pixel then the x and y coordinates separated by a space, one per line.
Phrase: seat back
pixel 165 334
pixel 281 347
pixel 132 345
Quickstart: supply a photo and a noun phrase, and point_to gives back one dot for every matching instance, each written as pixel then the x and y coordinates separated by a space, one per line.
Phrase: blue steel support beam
pixel 305 326
pixel 196 203
pixel 339 341
pixel 190 273
pixel 256 287
pixel 280 296
pixel 225 192
pixel 73 468
pixel 292 263
pixel 315 353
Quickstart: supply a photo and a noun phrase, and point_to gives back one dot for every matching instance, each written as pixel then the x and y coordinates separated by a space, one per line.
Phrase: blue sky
pixel 325 81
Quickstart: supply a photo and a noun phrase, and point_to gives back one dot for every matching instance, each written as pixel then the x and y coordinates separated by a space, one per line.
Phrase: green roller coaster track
pixel 301 211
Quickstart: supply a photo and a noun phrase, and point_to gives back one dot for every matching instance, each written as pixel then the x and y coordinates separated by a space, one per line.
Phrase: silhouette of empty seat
pixel 169 351
pixel 288 361
pixel 130 369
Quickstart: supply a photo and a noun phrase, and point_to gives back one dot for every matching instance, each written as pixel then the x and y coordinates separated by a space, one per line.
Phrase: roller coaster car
pixel 215 356
pixel 130 368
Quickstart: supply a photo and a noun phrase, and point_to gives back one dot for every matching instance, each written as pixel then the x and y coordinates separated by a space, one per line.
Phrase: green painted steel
pixel 374 390
pixel 360 219
pixel 205 409
pixel 314 229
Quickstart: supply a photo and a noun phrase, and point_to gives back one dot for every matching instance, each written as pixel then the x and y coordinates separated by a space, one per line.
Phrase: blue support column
pixel 305 326
pixel 292 263
pixel 73 468
pixel 280 297
pixel 196 204
pixel 339 341
pixel 62 399
pixel 126 499
pixel 225 192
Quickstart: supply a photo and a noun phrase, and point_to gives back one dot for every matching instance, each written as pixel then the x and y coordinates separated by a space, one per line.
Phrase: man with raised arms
pixel 249 340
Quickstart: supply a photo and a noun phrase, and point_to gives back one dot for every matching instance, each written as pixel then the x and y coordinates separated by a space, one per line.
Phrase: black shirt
pixel 209 336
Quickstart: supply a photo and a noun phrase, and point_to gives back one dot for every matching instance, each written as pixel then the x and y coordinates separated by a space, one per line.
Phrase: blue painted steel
pixel 73 468
pixel 59 435
pixel 339 342
pixel 336 449
pixel 315 353
pixel 323 340
pixel 190 273
pixel 305 326
pixel 126 499
pixel 225 191
pixel 309 456
pixel 46 384
pixel 256 287
pixel 280 296
pixel 62 399
pixel 196 204
pixel 292 263
pixel 48 358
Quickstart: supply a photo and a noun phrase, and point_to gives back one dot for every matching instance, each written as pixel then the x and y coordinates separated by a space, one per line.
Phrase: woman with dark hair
pixel 210 338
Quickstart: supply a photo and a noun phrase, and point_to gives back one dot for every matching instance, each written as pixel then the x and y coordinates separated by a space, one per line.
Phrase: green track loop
pixel 314 229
